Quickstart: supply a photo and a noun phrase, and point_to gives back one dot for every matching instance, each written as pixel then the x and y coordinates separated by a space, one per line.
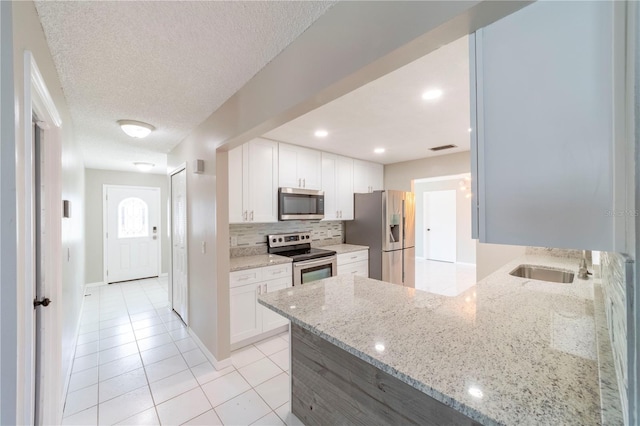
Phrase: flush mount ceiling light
pixel 379 150
pixel 430 95
pixel 136 129
pixel 320 133
pixel 144 167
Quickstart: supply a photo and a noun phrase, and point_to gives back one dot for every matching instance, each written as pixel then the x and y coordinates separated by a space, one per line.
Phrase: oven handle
pixel 307 263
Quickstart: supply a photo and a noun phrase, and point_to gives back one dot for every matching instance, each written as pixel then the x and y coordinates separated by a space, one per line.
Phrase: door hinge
pixel 107 272
pixel 44 302
pixel 107 235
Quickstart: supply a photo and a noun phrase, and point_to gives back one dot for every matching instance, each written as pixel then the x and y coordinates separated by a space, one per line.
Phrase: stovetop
pixel 296 246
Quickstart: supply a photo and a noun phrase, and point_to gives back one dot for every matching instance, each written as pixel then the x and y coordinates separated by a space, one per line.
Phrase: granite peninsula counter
pixel 507 351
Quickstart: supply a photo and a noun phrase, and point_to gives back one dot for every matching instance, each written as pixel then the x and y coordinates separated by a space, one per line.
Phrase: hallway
pixel 135 363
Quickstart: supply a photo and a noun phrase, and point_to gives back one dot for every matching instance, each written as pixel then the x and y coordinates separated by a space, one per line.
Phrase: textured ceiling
pixel 170 64
pixel 390 112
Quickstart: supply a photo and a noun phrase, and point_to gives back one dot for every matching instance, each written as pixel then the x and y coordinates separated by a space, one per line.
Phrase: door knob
pixel 428 229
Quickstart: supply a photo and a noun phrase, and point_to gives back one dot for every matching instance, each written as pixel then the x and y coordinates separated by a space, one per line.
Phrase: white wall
pixel 8 232
pixel 400 175
pixel 28 35
pixel 356 42
pixel 465 245
pixel 94 180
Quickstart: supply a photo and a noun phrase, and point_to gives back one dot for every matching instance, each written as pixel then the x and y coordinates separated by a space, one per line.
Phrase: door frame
pixel 39 103
pixel 105 248
pixel 175 171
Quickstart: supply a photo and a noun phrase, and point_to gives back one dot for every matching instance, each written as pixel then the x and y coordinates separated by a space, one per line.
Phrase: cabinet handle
pixel 243 278
pixel 259 290
pixel 340 214
pixel 299 183
pixel 244 216
pixel 251 215
pixel 354 257
pixel 266 289
pixel 304 183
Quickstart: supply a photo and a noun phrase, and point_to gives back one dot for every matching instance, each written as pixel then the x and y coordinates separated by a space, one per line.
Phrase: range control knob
pixel 274 240
pixel 280 239
pixel 307 237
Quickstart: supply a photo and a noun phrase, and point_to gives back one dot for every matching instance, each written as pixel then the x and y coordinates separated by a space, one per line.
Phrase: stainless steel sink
pixel 543 274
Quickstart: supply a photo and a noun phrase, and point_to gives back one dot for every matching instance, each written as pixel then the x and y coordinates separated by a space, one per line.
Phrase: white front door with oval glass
pixel 132 232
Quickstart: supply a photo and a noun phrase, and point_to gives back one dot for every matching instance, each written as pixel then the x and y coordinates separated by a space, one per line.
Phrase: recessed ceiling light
pixel 144 167
pixel 430 95
pixel 136 129
pixel 321 133
pixel 379 150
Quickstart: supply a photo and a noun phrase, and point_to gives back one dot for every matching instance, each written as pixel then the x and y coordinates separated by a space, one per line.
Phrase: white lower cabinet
pixel 354 263
pixel 247 317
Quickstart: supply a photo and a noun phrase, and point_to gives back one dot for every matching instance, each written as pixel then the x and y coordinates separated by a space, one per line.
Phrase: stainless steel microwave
pixel 300 204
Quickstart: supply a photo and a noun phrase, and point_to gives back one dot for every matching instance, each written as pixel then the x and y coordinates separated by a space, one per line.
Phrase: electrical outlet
pixel 234 241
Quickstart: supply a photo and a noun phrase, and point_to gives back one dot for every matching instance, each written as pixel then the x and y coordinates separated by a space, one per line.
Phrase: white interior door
pixel 132 233
pixel 179 263
pixel 440 225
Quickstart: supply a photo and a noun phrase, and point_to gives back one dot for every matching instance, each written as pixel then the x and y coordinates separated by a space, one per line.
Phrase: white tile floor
pixel 136 364
pixel 447 279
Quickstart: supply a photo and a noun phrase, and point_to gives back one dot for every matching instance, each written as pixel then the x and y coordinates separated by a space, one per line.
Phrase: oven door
pixel 313 270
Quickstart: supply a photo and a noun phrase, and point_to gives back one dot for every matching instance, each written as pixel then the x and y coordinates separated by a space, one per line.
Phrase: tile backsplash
pixel 617 279
pixel 252 237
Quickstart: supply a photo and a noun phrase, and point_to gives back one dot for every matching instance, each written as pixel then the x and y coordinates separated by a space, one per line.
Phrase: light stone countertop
pixel 259 261
pixel 344 248
pixel 509 350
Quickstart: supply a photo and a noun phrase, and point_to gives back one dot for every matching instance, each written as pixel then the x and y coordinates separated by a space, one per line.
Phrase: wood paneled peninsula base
pixel 330 386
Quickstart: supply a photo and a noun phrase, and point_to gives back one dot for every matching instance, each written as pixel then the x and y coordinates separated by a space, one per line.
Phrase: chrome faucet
pixel 583 272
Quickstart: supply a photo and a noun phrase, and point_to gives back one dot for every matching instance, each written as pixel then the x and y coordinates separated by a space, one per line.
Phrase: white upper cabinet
pixel 300 167
pixel 253 182
pixel 337 184
pixel 367 176
pixel 547 97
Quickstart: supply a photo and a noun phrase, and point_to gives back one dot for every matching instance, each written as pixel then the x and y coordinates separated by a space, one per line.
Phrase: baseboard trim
pixel 166 274
pixel 466 263
pixel 218 365
pixel 96 284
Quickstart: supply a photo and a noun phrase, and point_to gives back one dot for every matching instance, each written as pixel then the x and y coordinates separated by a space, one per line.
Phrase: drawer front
pixel 356 256
pixel 358 268
pixel 276 271
pixel 247 276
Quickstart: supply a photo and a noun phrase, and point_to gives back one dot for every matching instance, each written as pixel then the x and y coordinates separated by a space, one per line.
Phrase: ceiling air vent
pixel 441 147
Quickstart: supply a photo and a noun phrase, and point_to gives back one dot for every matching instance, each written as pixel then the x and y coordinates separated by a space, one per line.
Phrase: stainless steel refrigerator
pixel 385 221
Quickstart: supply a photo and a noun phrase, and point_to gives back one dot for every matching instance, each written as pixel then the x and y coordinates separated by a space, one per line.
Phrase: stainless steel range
pixel 309 264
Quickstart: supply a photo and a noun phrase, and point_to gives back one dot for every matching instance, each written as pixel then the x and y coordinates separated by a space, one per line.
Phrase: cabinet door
pixel 361 182
pixel 263 180
pixel 288 166
pixel 344 187
pixel 270 319
pixel 236 183
pixel 310 168
pixel 329 186
pixel 360 269
pixel 245 313
pixel 543 115
pixel 367 176
pixel 376 176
